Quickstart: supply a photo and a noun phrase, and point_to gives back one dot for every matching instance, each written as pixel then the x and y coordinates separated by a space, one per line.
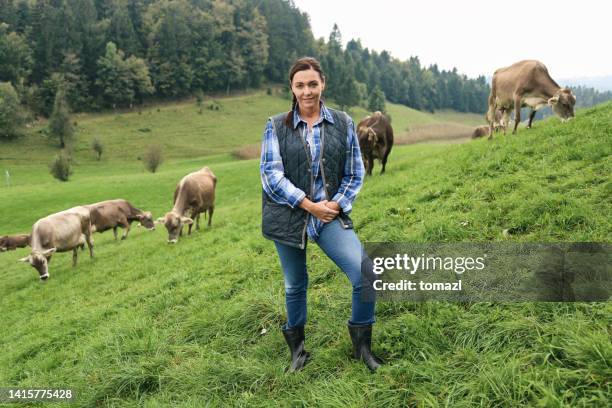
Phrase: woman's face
pixel 307 86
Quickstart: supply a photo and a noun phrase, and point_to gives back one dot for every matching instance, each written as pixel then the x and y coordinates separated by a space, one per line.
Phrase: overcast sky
pixel 573 38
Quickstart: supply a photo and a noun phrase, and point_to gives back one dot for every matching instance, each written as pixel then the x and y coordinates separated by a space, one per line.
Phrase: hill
pixel 145 323
pixel 182 132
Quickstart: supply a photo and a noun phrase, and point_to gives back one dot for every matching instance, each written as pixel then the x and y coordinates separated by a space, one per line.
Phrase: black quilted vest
pixel 288 225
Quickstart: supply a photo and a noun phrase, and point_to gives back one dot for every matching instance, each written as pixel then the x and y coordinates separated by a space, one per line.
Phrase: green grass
pixel 148 324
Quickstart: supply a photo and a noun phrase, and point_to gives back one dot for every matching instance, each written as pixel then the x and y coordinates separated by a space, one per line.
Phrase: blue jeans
pixel 343 247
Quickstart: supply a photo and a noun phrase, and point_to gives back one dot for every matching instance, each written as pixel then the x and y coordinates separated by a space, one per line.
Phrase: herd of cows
pixel 71 229
pixel 524 84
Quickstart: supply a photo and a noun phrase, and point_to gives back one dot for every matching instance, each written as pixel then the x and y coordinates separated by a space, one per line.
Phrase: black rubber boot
pixel 295 340
pixel 361 336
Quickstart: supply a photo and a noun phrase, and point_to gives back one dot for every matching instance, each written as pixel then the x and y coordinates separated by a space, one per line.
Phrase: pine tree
pixel 376 102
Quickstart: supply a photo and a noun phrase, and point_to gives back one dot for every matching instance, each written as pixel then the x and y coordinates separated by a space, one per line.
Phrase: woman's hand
pixel 333 205
pixel 323 210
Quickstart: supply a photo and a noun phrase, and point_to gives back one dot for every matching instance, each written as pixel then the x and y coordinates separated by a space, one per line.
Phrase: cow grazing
pixel 194 193
pixel 60 232
pixel 527 83
pixel 118 213
pixel 12 242
pixel 375 140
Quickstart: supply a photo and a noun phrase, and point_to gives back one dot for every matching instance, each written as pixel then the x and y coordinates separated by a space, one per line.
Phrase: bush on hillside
pixel 97 147
pixel 61 166
pixel 199 100
pixel 214 105
pixel 153 158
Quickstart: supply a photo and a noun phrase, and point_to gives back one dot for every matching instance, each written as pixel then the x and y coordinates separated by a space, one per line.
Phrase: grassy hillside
pixel 183 132
pixel 148 324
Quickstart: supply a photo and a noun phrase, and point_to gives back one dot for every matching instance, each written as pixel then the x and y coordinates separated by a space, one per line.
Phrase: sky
pixel 572 38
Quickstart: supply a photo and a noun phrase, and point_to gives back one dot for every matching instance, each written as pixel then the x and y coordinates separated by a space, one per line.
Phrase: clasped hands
pixel 324 210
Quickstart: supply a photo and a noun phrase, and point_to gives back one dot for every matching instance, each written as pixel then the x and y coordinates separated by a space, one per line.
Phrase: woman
pixel 311 171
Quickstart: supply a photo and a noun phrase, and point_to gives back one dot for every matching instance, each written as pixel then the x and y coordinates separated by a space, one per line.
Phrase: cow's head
pixel 174 223
pixel 40 261
pixel 146 220
pixel 562 103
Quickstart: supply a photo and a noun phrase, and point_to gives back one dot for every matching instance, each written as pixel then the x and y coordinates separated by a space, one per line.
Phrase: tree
pixel 15 57
pixel 11 116
pixel 113 77
pixel 139 78
pixel 121 80
pixel 74 81
pixel 59 122
pixel 347 93
pixel 376 102
pixel 121 28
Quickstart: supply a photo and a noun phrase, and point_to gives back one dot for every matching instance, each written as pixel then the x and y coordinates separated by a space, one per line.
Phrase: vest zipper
pixel 303 138
pixel 345 226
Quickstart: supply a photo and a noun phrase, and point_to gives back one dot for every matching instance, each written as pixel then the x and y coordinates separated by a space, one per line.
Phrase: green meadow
pixel 197 324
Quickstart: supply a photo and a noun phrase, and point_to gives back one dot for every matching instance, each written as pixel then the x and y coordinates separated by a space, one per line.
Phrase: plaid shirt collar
pixel 325 115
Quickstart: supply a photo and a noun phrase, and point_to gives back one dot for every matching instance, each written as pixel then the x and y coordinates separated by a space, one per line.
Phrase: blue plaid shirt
pixel 283 191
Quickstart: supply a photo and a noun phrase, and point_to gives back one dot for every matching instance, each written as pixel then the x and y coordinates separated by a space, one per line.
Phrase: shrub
pixel 61 167
pixel 214 105
pixel 199 100
pixel 153 158
pixel 97 147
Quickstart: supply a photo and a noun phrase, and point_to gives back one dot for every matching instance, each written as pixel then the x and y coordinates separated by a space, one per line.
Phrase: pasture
pixel 197 324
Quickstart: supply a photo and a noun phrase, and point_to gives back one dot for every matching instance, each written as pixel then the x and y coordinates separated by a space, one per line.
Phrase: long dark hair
pixel 302 64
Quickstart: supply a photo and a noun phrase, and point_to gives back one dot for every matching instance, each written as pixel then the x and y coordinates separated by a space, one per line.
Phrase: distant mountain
pixel 601 83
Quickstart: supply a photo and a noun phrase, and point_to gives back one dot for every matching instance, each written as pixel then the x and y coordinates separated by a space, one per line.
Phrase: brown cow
pixel 195 193
pixel 480 131
pixel 375 140
pixel 60 232
pixel 527 83
pixel 118 213
pixel 12 242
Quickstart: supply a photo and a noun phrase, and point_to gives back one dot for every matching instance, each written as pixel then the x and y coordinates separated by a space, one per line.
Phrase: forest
pixel 120 53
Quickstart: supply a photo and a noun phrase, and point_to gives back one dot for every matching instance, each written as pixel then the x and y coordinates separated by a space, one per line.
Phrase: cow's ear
pixel 49 251
pixel 26 259
pixel 186 220
pixel 553 100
